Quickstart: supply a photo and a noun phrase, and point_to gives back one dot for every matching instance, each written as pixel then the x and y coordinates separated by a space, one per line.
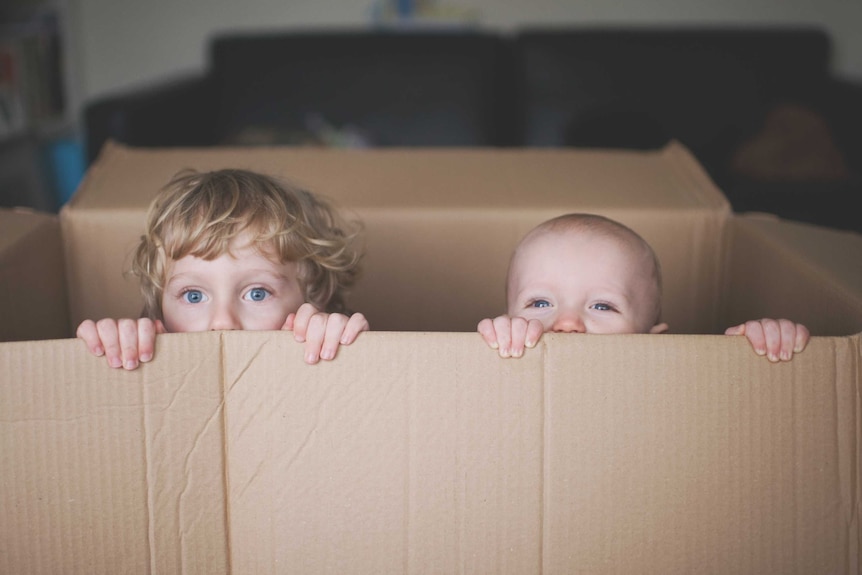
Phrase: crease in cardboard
pixel 151 479
pixel 544 464
pixel 226 451
pixel 854 534
pixel 186 516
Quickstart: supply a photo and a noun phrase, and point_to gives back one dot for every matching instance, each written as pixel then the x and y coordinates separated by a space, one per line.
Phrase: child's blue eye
pixel 193 296
pixel 602 307
pixel 540 303
pixel 257 294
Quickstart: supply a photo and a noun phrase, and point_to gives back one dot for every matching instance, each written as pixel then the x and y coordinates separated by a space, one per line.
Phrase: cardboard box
pixel 32 277
pixel 421 451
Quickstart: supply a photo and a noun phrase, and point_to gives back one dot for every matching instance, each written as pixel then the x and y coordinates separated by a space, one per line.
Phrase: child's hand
pixel 509 335
pixel 323 332
pixel 123 342
pixel 777 339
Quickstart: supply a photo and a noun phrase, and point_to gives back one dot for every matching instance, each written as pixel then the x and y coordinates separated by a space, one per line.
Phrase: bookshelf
pixel 35 110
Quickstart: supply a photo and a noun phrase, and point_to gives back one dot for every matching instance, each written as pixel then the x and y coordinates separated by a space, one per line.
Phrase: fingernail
pixel 131 364
pixel 99 352
pixel 760 351
pixel 326 354
pixel 785 356
pixel 504 352
pixel 310 358
pixel 115 362
pixel 517 353
pixel 530 344
pixel 495 345
pixel 772 357
pixel 146 357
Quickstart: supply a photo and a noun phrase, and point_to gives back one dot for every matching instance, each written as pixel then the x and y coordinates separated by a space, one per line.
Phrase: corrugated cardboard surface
pixel 425 453
pixel 436 221
pixel 32 281
pixel 108 472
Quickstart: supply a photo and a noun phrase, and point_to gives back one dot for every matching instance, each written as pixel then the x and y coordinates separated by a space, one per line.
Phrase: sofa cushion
pixel 382 88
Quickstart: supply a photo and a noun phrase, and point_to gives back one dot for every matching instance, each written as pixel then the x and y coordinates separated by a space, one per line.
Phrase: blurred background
pixel 59 56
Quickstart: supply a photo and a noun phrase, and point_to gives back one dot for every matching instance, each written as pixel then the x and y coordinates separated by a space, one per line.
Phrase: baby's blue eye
pixel 193 296
pixel 257 294
pixel 540 303
pixel 602 307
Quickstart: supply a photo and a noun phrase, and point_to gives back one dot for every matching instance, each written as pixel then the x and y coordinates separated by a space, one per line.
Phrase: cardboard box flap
pixel 108 471
pixel 417 452
pixel 437 221
pixel 123 177
pixel 811 274
pixel 32 280
pixel 681 454
pixel 407 473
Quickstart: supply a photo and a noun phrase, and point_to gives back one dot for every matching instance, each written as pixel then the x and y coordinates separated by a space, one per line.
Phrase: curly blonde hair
pixel 200 214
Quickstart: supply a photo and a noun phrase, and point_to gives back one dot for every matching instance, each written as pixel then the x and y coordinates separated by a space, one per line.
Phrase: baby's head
pixel 586 273
pixel 206 215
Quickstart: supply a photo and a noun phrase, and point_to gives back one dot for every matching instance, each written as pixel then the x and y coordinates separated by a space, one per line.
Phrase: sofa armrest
pixel 179 112
pixel 843 111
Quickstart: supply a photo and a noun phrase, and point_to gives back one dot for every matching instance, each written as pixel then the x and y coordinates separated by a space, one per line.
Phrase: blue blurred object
pixel 66 157
pixel 405 8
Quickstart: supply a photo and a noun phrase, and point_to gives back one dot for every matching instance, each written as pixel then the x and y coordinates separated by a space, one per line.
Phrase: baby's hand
pixel 123 342
pixel 323 332
pixel 777 339
pixel 509 335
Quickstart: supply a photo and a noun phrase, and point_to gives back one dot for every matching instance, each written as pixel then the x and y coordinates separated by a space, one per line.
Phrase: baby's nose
pixel 568 323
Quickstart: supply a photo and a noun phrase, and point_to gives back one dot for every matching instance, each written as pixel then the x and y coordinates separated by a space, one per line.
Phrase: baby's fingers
pixel 503 329
pixel 488 333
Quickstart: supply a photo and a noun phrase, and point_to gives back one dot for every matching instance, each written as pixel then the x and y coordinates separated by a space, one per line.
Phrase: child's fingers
pixel 88 332
pixel 160 326
pixel 801 339
pixel 488 333
pixel 772 335
pixel 335 325
pixel 147 330
pixel 314 337
pixel 110 338
pixel 289 321
pixel 128 330
pixel 735 330
pixel 753 330
pixel 302 321
pixel 356 324
pixel 788 339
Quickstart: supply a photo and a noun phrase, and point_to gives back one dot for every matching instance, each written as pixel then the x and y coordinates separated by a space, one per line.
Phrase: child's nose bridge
pixel 224 316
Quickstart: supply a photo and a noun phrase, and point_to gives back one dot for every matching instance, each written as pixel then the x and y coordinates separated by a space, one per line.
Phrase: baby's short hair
pixel 606 227
pixel 201 213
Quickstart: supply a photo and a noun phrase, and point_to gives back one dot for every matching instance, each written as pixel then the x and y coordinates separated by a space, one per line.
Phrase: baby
pixel 585 273
pixel 234 249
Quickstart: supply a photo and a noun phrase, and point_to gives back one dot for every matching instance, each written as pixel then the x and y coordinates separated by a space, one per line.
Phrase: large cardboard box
pixel 32 277
pixel 418 450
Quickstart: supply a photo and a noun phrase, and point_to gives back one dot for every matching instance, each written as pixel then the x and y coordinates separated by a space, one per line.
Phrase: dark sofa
pixel 759 107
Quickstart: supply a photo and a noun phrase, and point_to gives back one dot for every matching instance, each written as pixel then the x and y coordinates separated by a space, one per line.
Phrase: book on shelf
pixel 31 79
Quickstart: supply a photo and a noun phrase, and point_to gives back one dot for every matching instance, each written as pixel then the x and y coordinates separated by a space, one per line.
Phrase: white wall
pixel 118 44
